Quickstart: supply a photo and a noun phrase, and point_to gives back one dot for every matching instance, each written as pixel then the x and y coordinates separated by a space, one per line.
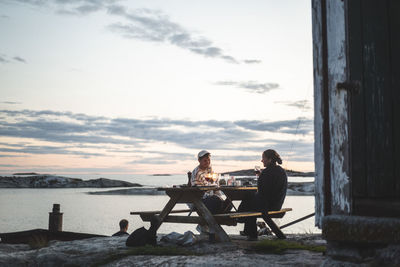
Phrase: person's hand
pixel 257 170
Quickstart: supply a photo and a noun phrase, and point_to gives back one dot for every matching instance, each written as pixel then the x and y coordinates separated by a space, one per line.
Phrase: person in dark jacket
pixel 123 228
pixel 271 185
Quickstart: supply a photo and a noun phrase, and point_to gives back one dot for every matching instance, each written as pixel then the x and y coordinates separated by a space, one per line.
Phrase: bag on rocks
pixel 141 237
pixel 186 239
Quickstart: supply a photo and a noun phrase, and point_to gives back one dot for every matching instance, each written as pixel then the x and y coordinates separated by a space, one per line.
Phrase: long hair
pixel 273 155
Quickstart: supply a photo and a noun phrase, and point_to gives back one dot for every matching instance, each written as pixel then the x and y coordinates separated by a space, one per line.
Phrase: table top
pixel 207 188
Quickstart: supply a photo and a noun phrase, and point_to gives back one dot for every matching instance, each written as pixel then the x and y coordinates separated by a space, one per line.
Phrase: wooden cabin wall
pixel 357 129
pixel 333 194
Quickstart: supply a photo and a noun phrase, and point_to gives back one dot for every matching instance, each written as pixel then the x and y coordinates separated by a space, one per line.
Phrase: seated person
pixel 212 200
pixel 271 185
pixel 123 227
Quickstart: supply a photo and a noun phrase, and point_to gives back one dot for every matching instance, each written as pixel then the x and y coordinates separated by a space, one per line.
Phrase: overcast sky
pixel 90 86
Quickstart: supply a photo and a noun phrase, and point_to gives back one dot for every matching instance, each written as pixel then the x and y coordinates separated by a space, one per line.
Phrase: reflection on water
pixel 25 209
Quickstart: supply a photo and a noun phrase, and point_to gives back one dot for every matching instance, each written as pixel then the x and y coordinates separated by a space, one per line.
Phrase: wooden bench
pixel 230 218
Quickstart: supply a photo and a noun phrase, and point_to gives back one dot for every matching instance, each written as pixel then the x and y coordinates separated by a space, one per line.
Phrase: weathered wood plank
pixel 321 145
pixel 253 214
pixel 357 111
pixel 338 108
pixel 394 18
pixel 187 189
pixel 225 218
pixel 208 217
pixel 378 101
pixel 158 212
pixel 279 211
pixel 146 217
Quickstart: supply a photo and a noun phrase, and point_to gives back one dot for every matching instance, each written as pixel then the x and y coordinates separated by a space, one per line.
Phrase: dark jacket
pixel 120 233
pixel 272 185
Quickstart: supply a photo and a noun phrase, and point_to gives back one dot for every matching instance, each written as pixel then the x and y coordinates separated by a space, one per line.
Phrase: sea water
pixel 26 209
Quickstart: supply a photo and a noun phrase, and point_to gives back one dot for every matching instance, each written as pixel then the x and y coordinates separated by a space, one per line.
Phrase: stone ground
pixel 91 251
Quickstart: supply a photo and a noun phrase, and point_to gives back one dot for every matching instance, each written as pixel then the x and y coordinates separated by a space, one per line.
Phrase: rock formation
pixel 52 181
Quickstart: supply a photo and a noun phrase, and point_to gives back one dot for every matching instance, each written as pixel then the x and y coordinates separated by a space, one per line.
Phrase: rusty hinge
pixel 353 87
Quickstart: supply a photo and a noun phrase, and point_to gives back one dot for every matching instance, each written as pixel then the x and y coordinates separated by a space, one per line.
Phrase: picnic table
pixel 194 195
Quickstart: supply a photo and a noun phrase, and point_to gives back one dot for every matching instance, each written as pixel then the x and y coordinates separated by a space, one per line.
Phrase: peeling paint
pixel 338 108
pixel 318 112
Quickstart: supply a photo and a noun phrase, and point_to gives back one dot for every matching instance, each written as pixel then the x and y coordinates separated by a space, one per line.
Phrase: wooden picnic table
pixel 194 196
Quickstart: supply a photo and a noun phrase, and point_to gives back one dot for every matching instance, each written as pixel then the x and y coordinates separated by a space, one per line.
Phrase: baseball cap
pixel 203 153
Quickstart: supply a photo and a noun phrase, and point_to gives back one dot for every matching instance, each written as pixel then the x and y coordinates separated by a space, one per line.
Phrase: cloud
pixel 3 59
pixel 95 171
pixel 252 61
pixel 19 59
pixel 161 158
pixel 33 2
pixel 47 150
pixel 154 26
pixel 75 127
pixel 4 17
pixel 251 86
pixel 71 133
pixel 298 126
pixel 11 103
pixel 154 161
pixel 300 104
pixel 236 158
pixel 71 7
pixel 142 24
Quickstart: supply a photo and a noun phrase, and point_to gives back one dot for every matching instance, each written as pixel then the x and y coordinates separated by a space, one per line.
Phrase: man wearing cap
pixel 198 174
pixel 212 200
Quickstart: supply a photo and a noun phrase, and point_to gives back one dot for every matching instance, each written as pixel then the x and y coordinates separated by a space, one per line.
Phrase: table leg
pixel 209 218
pixel 274 228
pixel 167 209
pixel 230 203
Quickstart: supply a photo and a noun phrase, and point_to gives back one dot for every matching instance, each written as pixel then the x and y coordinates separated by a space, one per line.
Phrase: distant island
pixel 53 181
pixel 25 173
pixel 161 174
pixel 250 172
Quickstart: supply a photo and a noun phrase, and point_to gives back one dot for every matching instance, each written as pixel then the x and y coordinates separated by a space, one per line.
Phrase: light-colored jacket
pixel 198 176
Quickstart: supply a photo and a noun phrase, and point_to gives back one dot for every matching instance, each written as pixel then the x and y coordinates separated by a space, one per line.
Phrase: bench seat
pixel 222 219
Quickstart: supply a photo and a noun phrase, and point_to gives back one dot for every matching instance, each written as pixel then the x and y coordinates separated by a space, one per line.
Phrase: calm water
pixel 25 209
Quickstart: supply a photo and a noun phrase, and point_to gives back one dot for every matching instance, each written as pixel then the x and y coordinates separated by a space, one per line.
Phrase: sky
pixel 114 86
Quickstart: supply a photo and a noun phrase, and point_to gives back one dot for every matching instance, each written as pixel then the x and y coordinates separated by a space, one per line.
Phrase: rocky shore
pixel 52 181
pixel 111 251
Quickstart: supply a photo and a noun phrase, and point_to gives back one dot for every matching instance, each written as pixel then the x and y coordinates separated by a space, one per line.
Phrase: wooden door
pixel 374 61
